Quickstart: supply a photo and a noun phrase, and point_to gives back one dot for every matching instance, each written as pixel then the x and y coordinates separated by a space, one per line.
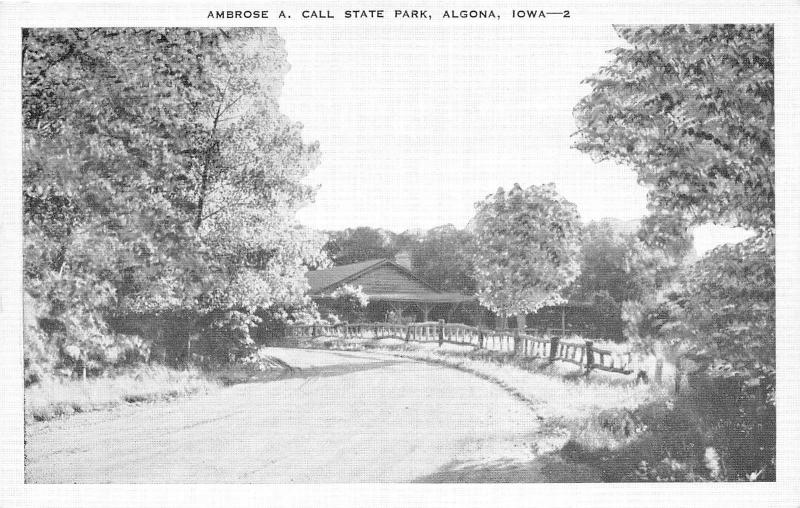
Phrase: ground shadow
pixel 289 372
pixel 549 468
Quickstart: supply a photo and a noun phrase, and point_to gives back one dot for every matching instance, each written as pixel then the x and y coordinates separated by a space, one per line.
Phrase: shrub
pixel 349 302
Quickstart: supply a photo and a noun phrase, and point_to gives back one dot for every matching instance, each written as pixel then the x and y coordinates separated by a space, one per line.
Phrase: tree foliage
pixel 723 308
pixel 619 272
pixel 160 176
pixel 349 302
pixel 354 245
pixel 606 263
pixel 443 257
pixel 690 108
pixel 527 247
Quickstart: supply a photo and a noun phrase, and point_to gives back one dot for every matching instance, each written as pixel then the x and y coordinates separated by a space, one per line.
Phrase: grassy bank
pixel 54 397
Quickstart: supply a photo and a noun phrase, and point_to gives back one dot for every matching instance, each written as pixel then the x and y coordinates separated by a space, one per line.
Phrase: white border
pixel 786 492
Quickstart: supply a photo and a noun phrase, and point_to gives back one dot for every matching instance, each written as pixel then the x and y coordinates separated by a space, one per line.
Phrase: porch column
pixel 426 309
pixel 452 311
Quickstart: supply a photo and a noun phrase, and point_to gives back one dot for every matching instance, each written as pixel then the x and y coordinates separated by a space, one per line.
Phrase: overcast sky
pixel 416 125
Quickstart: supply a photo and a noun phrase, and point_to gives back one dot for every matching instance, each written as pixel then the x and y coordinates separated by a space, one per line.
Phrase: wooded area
pixel 160 187
pixel 161 183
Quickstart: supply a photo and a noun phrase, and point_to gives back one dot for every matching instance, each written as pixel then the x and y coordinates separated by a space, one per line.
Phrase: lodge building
pixel 392 289
pixel 397 294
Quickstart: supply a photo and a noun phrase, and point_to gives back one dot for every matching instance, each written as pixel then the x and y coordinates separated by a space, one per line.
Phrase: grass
pixel 55 397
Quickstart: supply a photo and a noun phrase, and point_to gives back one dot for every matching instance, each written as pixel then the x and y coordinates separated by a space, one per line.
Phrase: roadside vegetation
pixel 55 397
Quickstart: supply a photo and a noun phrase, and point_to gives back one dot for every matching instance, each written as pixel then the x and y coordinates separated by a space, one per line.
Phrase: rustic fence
pixel 579 352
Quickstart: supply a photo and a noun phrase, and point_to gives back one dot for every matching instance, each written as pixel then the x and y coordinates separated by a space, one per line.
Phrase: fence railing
pixel 579 352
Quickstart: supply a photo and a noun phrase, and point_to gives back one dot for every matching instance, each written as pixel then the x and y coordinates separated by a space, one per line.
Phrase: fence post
pixel 516 341
pixel 441 332
pixel 344 334
pixel 589 356
pixel 313 330
pixel 408 332
pixel 481 339
pixel 554 340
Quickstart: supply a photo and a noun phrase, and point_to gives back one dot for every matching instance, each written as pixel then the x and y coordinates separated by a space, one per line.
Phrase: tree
pixel 360 244
pixel 605 263
pixel 527 247
pixel 443 257
pixel 607 276
pixel 97 143
pixel 159 176
pixel 690 108
pixel 723 309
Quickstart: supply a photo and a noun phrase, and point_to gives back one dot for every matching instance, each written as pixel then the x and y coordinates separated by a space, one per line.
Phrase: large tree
pixel 159 176
pixel 527 247
pixel 691 110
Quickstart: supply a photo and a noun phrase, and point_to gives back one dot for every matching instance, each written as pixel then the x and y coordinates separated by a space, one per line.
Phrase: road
pixel 340 417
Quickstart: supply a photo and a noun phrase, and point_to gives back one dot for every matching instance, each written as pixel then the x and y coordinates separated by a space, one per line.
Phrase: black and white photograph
pixel 398 246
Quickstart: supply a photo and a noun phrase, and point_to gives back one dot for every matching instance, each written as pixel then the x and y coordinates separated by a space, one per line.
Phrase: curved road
pixel 340 417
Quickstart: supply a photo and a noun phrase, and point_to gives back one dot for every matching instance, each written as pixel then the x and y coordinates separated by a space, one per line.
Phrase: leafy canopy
pixel 527 248
pixel 160 176
pixel 443 257
pixel 354 245
pixel 690 109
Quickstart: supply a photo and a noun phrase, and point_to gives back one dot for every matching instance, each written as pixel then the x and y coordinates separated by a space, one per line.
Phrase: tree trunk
pixel 198 220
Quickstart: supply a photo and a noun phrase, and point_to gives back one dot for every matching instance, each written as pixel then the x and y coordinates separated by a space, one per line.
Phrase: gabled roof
pixel 320 280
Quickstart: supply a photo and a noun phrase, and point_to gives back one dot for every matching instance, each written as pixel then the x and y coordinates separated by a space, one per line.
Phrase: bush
pixel 349 303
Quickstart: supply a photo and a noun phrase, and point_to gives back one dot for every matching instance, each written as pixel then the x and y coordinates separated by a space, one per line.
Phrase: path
pixel 340 417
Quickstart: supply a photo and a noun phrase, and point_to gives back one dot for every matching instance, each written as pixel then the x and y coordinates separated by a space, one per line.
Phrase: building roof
pixel 322 279
pixel 323 282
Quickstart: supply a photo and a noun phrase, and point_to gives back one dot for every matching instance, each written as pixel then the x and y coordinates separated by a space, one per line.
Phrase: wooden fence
pixel 579 352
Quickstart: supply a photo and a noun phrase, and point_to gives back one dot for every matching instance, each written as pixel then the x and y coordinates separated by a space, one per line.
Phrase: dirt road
pixel 340 417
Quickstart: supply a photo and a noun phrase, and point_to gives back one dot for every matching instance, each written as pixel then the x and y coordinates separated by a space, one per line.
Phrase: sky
pixel 416 125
